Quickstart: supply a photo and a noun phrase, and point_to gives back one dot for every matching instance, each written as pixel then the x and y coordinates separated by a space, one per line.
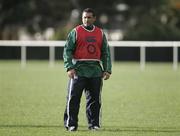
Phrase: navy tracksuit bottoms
pixel 92 88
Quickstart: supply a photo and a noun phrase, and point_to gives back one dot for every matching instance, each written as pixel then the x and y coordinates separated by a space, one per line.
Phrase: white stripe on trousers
pixel 69 98
pixel 100 110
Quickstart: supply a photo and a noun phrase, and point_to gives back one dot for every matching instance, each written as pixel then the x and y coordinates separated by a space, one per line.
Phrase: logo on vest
pixel 91 49
pixel 90 39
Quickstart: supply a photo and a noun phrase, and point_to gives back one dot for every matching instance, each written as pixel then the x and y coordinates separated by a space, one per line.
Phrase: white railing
pixel 53 44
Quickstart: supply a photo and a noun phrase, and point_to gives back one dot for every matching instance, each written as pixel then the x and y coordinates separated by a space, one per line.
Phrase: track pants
pixel 92 88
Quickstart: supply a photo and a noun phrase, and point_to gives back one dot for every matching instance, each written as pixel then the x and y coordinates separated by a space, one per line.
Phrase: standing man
pixel 87 60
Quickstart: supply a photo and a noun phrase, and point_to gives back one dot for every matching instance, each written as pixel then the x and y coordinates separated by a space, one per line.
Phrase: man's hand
pixel 106 75
pixel 71 73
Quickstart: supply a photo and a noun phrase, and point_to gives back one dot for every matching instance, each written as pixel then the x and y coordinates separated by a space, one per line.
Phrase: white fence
pixel 53 44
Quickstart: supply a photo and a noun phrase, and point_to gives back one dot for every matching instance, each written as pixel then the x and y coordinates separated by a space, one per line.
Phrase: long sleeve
pixel 69 49
pixel 106 56
pixel 86 68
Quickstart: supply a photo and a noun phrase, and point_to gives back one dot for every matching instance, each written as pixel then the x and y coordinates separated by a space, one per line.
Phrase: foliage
pixel 153 30
pixel 157 23
pixel 141 20
pixel 34 15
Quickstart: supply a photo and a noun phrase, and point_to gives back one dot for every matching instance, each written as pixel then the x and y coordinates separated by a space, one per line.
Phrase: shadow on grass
pixel 104 128
pixel 31 126
pixel 140 129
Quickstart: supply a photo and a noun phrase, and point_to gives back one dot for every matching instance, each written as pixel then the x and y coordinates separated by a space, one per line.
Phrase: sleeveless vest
pixel 88 43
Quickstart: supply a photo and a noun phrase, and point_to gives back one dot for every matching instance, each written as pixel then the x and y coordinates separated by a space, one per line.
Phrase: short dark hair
pixel 90 10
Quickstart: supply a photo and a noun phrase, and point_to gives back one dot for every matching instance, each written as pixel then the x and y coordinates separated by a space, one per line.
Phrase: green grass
pixel 135 102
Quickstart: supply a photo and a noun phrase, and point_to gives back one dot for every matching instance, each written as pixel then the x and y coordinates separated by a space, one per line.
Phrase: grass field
pixel 135 103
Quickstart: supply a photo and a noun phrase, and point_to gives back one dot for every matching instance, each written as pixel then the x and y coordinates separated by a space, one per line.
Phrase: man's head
pixel 88 17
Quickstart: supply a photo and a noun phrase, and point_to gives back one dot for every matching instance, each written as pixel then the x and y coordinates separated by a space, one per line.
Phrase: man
pixel 87 60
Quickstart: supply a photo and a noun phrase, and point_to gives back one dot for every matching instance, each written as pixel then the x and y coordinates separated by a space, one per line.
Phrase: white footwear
pixel 72 128
pixel 94 128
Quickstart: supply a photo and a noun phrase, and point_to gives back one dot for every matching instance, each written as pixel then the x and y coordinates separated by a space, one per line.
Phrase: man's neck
pixel 90 27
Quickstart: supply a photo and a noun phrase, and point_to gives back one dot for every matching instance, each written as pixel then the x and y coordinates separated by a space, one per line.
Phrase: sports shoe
pixel 94 128
pixel 72 128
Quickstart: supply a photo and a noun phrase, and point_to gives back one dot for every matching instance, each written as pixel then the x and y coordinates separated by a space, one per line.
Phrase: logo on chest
pixel 90 39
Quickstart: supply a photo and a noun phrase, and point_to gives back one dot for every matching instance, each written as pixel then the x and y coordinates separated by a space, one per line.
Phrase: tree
pixel 35 15
pixel 139 19
pixel 152 20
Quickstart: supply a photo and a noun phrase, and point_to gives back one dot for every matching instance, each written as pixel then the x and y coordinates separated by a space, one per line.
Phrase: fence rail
pixel 53 44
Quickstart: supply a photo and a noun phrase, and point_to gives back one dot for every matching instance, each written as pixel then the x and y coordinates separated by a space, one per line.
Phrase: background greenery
pixel 135 103
pixel 138 20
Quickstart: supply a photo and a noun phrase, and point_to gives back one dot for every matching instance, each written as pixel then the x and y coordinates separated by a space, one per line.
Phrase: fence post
pixel 142 56
pixel 112 54
pixel 175 56
pixel 23 56
pixel 51 56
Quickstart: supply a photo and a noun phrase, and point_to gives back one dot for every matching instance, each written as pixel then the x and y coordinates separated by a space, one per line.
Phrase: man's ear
pixel 94 18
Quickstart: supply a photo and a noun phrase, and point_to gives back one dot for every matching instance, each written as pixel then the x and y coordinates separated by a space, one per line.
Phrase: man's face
pixel 88 18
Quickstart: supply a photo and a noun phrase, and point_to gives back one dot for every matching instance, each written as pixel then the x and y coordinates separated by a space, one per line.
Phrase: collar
pixel 91 27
